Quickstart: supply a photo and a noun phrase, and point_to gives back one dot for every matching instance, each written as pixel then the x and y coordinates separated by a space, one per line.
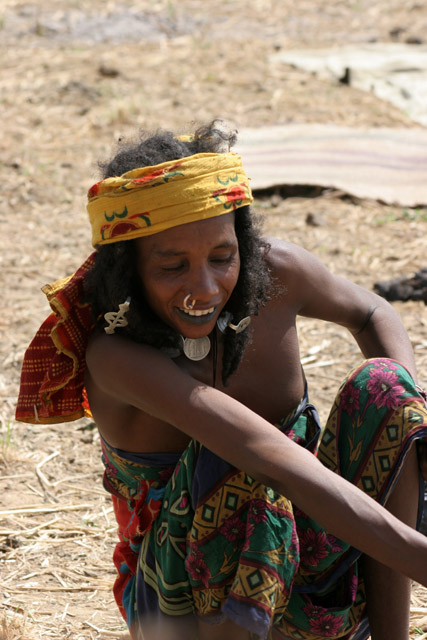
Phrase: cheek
pixel 156 293
pixel 232 275
pixel 148 285
pixel 236 266
pixel 160 293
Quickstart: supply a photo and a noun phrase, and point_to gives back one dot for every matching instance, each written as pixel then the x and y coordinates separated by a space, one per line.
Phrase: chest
pixel 269 379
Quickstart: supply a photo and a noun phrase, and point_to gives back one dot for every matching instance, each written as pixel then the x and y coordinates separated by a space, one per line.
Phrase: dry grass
pixel 13 627
pixel 64 104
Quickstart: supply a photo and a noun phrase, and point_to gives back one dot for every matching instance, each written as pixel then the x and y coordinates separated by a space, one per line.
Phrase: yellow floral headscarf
pixel 151 199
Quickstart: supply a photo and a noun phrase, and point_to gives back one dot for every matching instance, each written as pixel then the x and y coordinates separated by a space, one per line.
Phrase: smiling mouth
pixel 198 312
pixel 197 316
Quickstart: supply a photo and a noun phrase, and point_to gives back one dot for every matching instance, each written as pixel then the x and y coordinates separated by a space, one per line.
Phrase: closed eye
pixel 173 267
pixel 224 260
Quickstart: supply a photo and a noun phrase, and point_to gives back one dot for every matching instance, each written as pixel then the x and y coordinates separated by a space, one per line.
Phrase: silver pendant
pixel 196 348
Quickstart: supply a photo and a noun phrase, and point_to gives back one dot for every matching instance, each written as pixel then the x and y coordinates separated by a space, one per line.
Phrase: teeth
pixel 198 312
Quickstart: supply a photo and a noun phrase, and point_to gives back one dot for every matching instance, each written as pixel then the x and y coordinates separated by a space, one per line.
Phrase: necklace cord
pixel 214 356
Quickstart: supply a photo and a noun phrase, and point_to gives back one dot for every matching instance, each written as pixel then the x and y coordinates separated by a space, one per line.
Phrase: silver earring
pixel 240 326
pixel 117 318
pixel 224 321
pixel 188 305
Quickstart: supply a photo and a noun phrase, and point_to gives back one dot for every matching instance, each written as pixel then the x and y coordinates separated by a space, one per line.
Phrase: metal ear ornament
pixel 240 326
pixel 224 321
pixel 117 318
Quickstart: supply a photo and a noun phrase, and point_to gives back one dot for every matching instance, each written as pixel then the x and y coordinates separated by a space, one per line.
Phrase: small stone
pixel 346 77
pixel 414 40
pixel 108 72
pixel 396 32
pixel 275 200
pixel 315 220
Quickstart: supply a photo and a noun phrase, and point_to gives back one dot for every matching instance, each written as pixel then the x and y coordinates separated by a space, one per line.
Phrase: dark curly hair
pixel 119 259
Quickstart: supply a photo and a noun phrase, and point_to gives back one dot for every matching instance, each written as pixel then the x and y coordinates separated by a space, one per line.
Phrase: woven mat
pixel 389 165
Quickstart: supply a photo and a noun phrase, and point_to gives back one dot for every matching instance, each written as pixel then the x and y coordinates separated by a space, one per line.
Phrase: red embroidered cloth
pixel 52 377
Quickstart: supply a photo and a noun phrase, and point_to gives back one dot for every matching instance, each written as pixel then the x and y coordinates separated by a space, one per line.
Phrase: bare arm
pixel 317 293
pixel 155 385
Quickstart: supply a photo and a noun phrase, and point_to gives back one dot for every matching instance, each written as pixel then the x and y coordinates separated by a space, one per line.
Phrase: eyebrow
pixel 170 253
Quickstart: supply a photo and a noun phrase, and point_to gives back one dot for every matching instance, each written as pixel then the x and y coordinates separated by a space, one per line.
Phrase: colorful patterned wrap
pixel 199 537
pixel 148 200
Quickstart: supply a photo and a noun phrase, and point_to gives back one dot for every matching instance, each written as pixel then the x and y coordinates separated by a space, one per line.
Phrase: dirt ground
pixel 77 76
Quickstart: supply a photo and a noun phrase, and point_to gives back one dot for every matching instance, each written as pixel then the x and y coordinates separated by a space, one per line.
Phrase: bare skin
pixel 127 386
pixel 386 589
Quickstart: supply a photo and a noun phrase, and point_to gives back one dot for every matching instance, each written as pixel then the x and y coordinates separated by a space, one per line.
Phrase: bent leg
pixel 388 593
pixel 167 628
pixel 225 631
pixel 370 440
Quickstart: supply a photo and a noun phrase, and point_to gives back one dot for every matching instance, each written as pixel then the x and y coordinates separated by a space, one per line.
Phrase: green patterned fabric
pixel 200 537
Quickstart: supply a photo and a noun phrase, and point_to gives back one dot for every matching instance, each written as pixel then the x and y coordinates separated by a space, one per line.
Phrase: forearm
pixel 266 454
pixel 383 335
pixel 354 517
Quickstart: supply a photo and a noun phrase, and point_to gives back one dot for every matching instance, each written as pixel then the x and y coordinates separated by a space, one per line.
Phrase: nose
pixel 203 285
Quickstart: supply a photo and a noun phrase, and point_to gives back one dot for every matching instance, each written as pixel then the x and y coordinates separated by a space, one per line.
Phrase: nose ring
pixel 188 305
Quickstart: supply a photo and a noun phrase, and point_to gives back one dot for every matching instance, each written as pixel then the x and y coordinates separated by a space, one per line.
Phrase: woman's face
pixel 200 259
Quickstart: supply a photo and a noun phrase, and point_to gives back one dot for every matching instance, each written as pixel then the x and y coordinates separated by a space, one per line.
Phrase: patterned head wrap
pixel 145 201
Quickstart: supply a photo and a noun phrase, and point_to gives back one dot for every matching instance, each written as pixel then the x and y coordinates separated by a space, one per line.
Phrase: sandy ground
pixel 77 76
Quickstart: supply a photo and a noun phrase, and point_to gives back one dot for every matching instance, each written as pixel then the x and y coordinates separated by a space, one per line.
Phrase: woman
pixel 191 367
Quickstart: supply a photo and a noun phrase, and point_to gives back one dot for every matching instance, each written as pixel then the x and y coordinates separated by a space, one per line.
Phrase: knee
pixel 387 364
pixel 388 373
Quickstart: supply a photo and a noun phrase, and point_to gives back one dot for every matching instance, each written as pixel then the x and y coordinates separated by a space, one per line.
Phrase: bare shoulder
pixel 283 255
pixel 119 366
pixel 291 268
pixel 315 291
pixel 111 355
